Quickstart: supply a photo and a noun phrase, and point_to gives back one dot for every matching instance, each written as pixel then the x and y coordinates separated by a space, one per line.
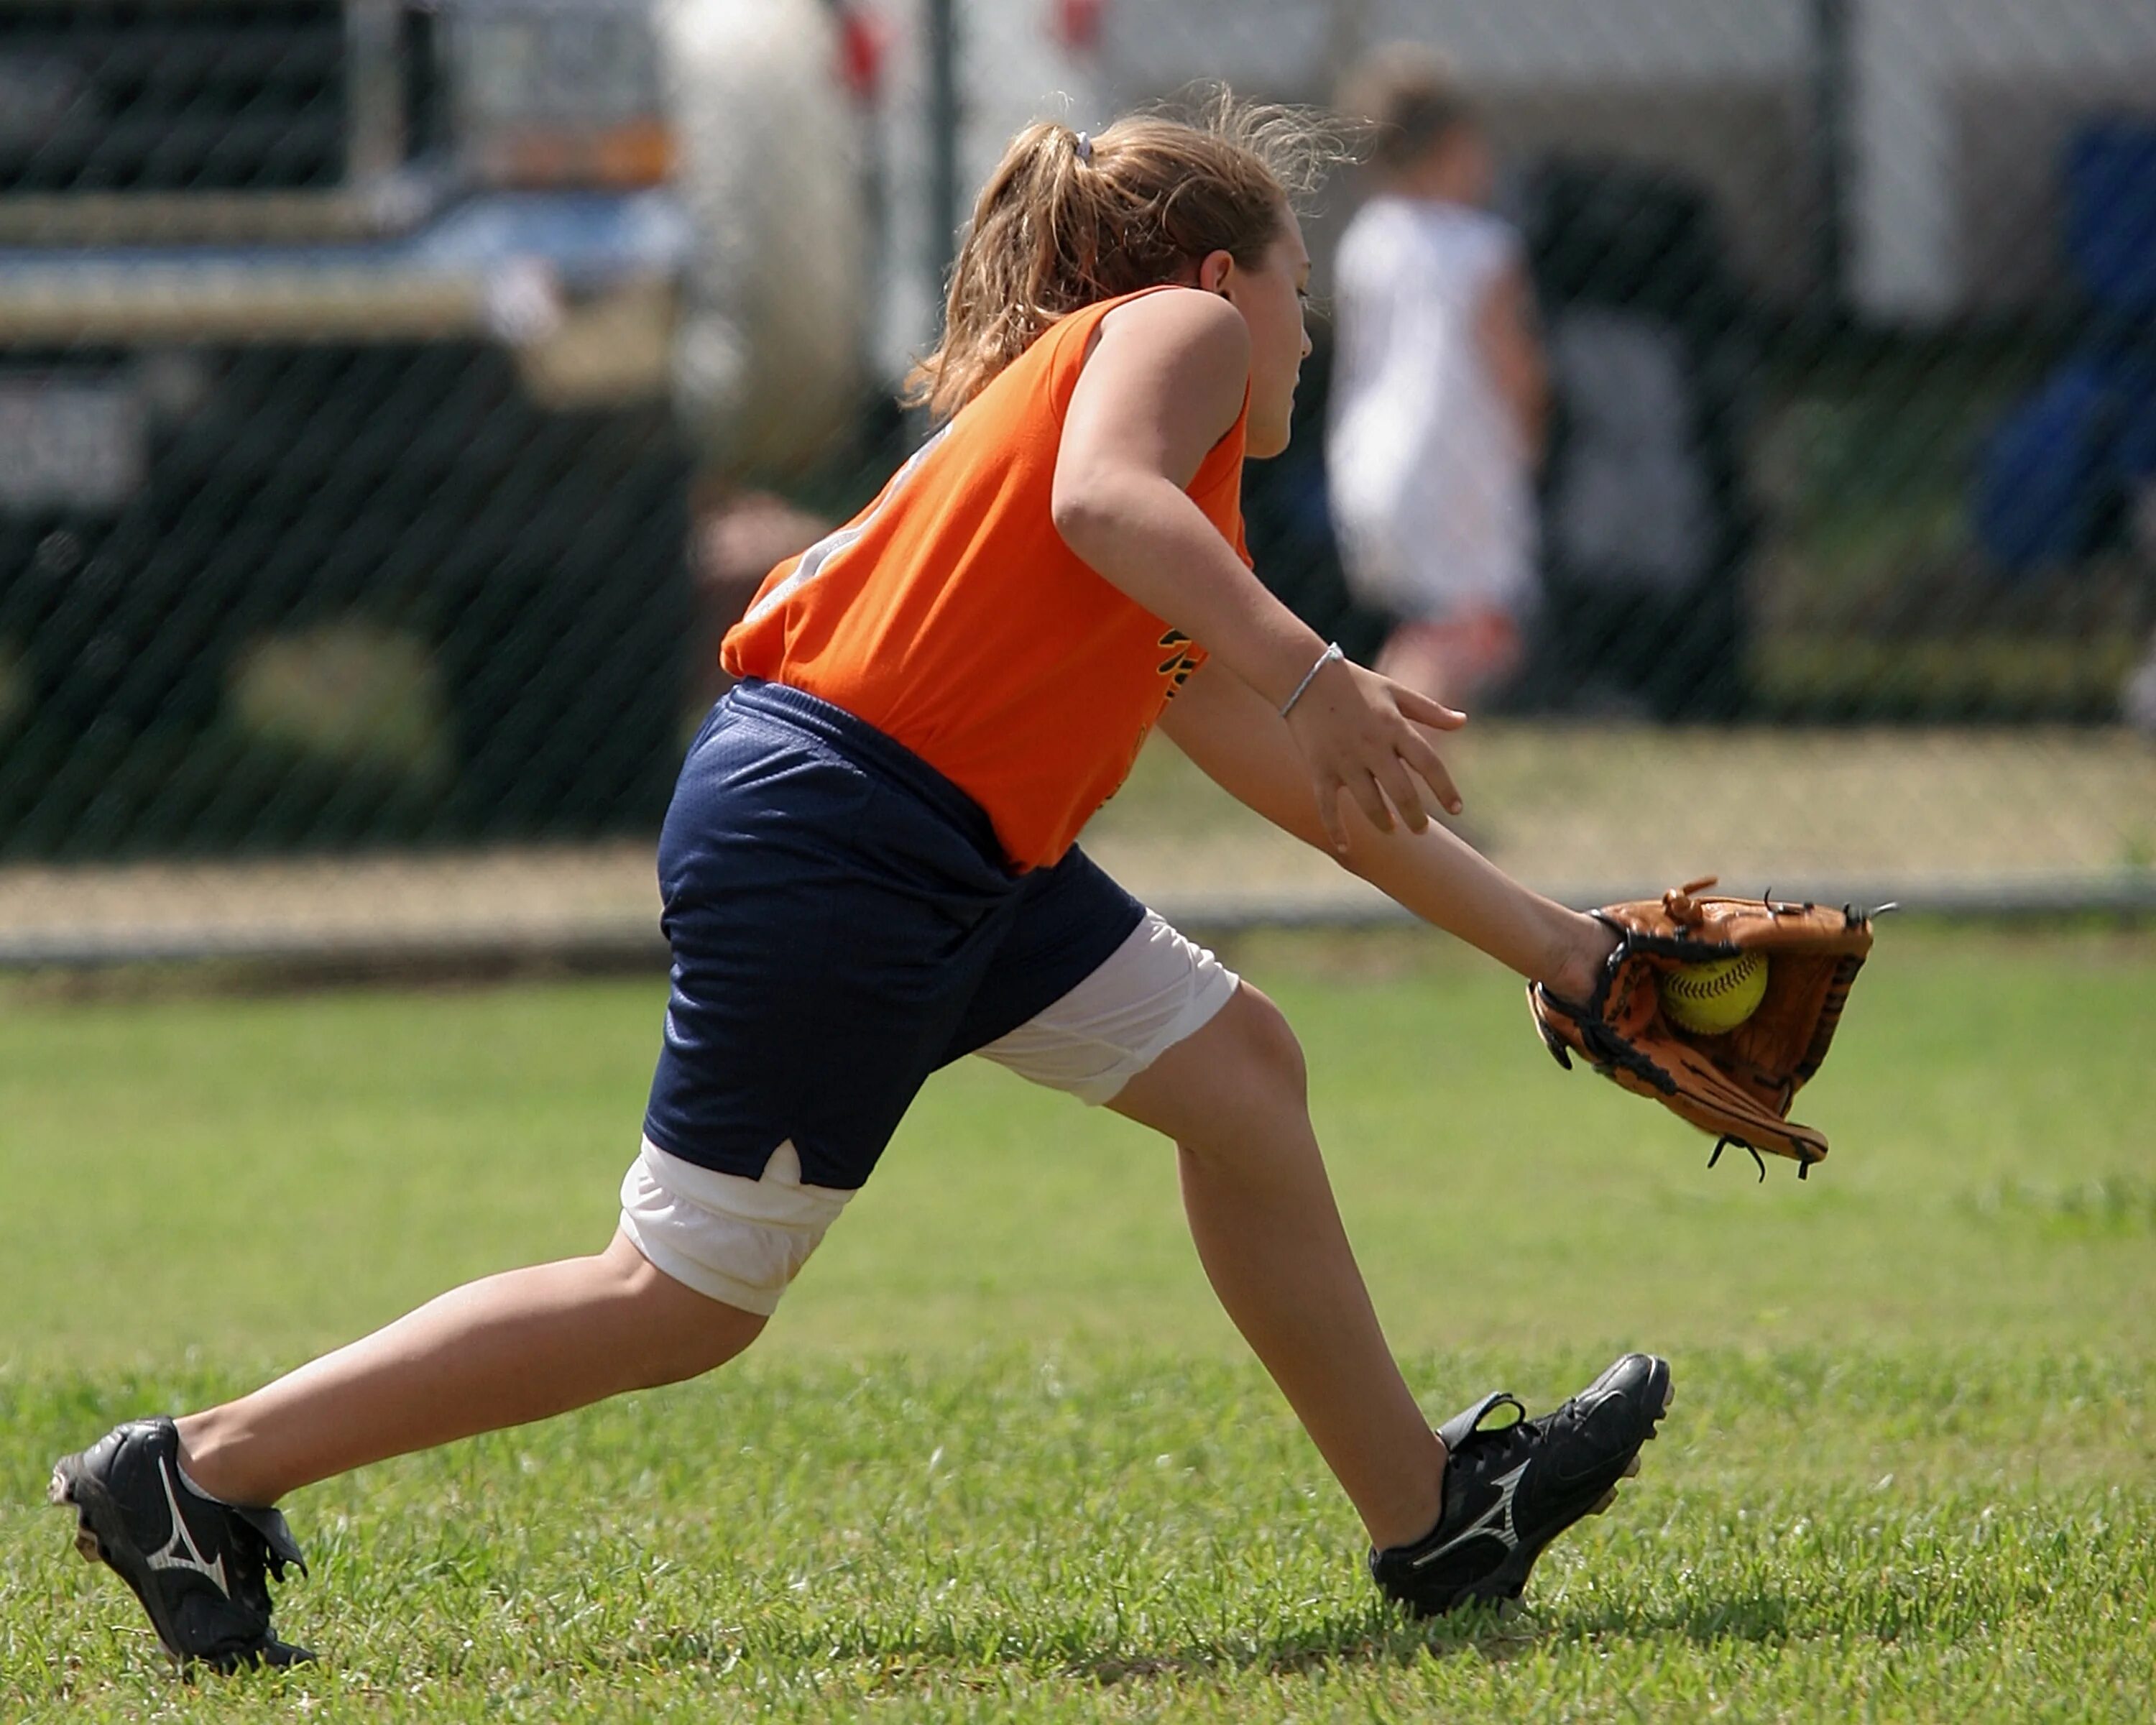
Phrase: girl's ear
pixel 1214 270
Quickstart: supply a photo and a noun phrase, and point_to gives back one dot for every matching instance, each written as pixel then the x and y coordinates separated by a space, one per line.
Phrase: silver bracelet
pixel 1331 652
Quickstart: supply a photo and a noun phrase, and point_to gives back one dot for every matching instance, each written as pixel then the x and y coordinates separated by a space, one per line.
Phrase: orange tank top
pixel 951 615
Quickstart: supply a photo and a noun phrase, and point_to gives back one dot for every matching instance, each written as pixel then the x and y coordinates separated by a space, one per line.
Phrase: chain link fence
pixel 398 397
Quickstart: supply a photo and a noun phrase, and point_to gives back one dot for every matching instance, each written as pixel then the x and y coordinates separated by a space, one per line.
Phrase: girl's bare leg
pixel 1260 1209
pixel 498 1352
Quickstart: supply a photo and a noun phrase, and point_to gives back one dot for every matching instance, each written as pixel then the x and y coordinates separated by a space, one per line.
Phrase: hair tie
pixel 1085 146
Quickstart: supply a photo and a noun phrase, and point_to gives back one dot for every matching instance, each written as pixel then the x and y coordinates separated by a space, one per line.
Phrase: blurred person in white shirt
pixel 1440 393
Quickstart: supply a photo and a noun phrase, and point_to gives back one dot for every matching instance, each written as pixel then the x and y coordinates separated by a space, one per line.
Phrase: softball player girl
pixel 868 870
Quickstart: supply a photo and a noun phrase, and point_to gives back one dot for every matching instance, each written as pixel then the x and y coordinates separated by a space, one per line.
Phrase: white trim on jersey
pixel 814 560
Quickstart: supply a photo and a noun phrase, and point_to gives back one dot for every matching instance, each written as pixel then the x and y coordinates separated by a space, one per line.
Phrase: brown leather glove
pixel 1737 1086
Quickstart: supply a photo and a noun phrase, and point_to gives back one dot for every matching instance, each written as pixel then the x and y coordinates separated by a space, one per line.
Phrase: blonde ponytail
pixel 1062 224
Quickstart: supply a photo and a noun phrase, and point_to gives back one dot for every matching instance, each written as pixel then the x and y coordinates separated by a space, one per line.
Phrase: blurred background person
pixel 1439 392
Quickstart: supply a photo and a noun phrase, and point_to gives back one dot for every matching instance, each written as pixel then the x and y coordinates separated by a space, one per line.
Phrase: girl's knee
pixel 1266 1051
pixel 1239 1078
pixel 1249 1082
pixel 684 1333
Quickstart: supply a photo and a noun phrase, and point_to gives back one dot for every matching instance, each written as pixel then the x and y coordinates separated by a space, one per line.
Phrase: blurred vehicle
pixel 417 316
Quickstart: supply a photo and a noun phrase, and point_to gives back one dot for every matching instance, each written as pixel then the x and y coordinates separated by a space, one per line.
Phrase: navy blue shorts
pixel 843 922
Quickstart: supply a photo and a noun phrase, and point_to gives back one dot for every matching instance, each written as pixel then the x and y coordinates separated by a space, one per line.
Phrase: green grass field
pixel 1000 1457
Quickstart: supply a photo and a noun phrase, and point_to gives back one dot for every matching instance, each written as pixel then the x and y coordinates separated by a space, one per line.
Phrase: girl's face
pixel 1271 298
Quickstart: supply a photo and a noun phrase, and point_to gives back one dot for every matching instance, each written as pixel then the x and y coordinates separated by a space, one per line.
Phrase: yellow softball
pixel 1717 996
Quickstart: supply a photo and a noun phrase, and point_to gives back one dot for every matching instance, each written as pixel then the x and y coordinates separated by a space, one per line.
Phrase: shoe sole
pixel 1505 1584
pixel 101 1537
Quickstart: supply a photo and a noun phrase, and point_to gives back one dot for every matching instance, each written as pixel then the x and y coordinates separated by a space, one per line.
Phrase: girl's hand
pixel 1360 733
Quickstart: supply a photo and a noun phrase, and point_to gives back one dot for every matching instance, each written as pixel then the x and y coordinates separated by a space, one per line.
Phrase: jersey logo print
pixel 814 560
pixel 1179 664
pixel 168 1557
pixel 1495 1523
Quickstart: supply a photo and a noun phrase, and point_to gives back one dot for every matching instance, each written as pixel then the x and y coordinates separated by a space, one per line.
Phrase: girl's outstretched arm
pixel 1164 383
pixel 1242 745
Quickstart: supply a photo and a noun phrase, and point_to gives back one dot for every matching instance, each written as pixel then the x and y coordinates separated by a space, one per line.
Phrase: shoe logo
pixel 168 1557
pixel 1495 1523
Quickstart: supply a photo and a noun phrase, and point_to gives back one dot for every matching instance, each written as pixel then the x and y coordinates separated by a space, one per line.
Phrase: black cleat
pixel 1509 1490
pixel 195 1564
